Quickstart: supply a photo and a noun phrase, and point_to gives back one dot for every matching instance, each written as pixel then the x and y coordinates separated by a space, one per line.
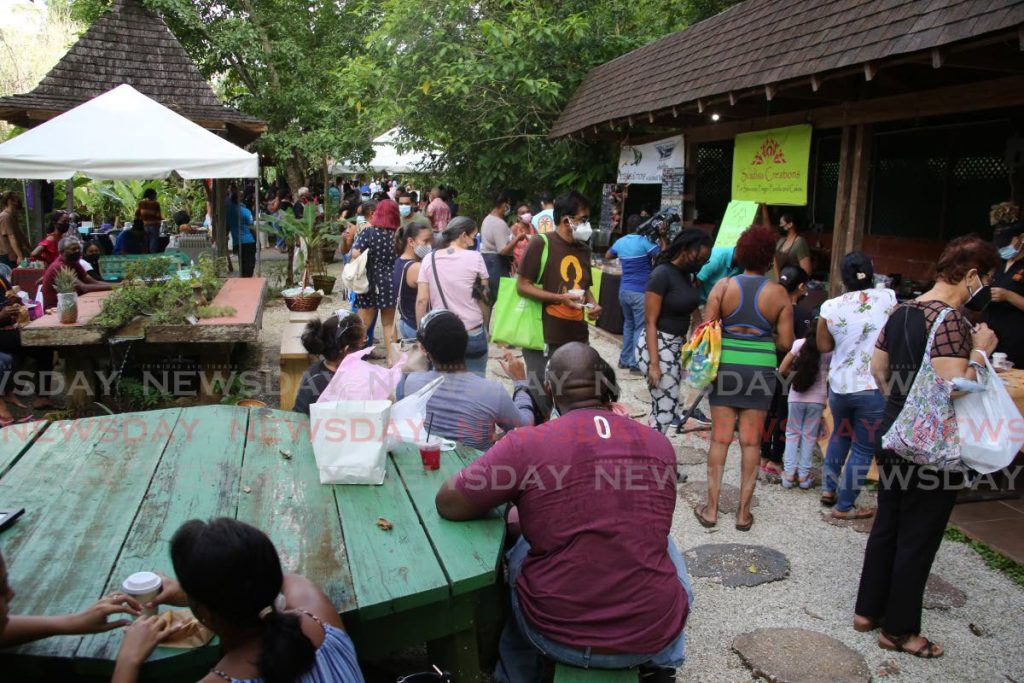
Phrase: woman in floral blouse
pixel 849 327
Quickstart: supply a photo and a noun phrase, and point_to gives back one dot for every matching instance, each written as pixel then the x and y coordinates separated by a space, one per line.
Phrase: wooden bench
pixel 113 267
pixel 295 360
pixel 570 674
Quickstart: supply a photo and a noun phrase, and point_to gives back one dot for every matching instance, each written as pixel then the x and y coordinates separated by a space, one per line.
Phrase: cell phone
pixel 8 516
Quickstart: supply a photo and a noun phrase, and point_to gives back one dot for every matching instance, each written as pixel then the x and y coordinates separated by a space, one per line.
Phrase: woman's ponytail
pixel 286 651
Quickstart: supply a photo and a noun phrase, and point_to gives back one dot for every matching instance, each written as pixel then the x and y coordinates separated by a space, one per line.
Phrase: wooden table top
pixel 49 331
pixel 103 496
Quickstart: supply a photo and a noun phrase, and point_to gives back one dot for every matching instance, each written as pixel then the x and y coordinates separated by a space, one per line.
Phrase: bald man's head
pixel 577 377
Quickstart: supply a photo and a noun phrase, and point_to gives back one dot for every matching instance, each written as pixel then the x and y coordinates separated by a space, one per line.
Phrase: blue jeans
pixel 522 649
pixel 632 324
pixel 476 353
pixel 406 331
pixel 153 238
pixel 856 419
pixel 802 428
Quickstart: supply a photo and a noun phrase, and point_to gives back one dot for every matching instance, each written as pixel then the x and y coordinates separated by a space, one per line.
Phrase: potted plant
pixel 314 236
pixel 65 282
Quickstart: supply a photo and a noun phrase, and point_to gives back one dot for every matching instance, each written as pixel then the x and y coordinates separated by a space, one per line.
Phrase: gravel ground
pixel 824 561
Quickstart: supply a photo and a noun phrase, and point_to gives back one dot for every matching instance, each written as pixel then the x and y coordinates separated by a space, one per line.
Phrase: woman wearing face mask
pixel 446 280
pixel 791 249
pixel 413 244
pixel 46 250
pixel 91 255
pixel 669 304
pixel 914 504
pixel 848 327
pixel 1005 315
pixel 522 230
pixel 378 236
pixel 498 242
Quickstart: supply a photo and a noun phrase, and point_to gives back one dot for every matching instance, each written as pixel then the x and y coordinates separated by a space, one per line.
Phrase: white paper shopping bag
pixel 350 440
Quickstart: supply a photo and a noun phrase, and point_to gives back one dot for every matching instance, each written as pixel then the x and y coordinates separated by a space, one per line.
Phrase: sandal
pixel 898 644
pixel 698 512
pixel 854 513
pixel 866 625
pixel 787 480
pixel 745 527
pixel 828 498
pixel 807 482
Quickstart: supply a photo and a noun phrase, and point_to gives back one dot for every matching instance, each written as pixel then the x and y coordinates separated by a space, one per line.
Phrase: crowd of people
pixel 433 275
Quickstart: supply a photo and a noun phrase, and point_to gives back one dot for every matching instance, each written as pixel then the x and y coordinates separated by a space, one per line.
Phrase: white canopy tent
pixel 388 159
pixel 122 134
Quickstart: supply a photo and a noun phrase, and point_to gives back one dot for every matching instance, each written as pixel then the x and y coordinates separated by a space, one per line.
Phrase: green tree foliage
pixel 484 81
pixel 284 61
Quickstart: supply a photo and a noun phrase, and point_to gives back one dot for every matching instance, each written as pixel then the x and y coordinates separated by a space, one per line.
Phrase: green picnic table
pixel 104 495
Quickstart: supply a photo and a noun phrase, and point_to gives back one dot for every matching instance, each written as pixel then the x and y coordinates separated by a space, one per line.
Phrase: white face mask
pixel 422 251
pixel 582 232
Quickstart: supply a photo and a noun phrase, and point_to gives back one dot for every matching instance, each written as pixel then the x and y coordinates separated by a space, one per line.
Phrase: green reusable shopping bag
pixel 516 320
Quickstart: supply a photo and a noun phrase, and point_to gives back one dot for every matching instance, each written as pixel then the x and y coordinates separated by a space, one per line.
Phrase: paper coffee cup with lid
pixel 143 586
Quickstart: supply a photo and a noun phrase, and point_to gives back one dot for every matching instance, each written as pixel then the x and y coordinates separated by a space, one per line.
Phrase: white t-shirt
pixel 494 234
pixel 544 222
pixel 457 270
pixel 855 320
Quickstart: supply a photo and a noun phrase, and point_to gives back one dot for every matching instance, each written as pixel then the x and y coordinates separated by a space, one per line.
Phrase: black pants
pixel 773 442
pixel 247 259
pixel 913 510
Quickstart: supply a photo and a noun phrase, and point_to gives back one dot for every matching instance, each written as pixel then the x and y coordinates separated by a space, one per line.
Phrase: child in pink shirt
pixel 807 370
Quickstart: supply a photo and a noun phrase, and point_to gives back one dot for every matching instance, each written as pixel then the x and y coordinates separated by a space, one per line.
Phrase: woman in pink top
pixel 447 279
pixel 807 369
pixel 524 226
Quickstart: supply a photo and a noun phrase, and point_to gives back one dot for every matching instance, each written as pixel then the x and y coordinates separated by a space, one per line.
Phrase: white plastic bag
pixel 409 416
pixel 991 428
pixel 350 440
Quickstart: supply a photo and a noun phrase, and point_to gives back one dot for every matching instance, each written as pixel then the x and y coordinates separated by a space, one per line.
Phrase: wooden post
pixel 851 198
pixel 35 215
pixel 69 194
pixel 689 183
pixel 219 220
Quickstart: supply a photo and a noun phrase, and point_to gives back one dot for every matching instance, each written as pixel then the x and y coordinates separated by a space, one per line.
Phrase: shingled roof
pixel 758 43
pixel 130 44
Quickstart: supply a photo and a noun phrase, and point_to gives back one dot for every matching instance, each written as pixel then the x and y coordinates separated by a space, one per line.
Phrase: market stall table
pixel 81 343
pixel 102 497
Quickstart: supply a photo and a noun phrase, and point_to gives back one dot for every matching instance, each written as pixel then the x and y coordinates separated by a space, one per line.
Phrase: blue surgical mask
pixel 1009 252
pixel 405 210
pixel 360 220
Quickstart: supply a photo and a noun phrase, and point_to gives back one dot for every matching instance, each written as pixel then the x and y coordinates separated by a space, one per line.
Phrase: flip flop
pixel 853 513
pixel 829 499
pixel 746 527
pixel 698 513
pixel 899 644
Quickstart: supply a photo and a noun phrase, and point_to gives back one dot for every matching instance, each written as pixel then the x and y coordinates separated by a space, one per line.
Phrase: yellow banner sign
pixel 738 217
pixel 771 166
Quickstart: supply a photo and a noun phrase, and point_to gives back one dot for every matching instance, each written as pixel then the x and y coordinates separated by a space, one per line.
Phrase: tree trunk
pixel 295 175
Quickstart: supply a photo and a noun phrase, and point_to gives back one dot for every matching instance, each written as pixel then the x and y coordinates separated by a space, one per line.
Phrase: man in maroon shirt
pixel 70 256
pixel 596 580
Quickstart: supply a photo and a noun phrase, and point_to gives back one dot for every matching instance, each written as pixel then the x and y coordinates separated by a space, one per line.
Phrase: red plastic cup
pixel 430 453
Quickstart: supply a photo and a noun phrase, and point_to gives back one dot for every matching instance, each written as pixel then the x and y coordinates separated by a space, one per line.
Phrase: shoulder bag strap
pixel 543 261
pixel 437 280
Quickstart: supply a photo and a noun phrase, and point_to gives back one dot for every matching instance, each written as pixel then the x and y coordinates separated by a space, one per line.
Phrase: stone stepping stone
pixel 860 525
pixel 686 455
pixel 941 594
pixel 696 492
pixel 735 564
pixel 796 655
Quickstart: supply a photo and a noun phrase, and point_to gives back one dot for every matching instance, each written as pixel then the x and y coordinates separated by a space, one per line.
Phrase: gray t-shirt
pixel 466 408
pixel 494 234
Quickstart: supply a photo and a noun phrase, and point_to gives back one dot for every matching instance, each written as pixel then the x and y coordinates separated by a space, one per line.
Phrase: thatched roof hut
pixel 130 44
